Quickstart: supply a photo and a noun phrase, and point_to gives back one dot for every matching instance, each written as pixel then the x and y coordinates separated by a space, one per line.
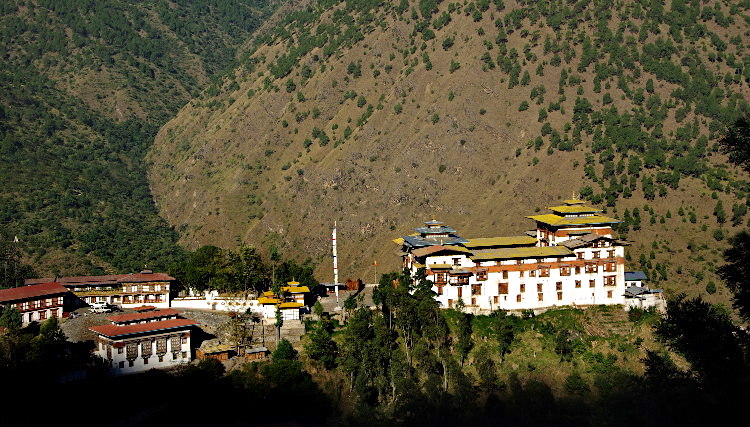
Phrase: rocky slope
pixel 382 115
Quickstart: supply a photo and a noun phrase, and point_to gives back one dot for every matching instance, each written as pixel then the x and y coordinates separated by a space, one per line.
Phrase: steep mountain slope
pixel 84 86
pixel 383 115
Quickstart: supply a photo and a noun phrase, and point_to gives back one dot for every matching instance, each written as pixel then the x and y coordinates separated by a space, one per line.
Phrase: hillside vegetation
pixel 84 86
pixel 382 115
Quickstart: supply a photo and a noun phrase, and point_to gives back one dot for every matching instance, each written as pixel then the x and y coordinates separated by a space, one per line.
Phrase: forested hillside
pixel 84 86
pixel 382 115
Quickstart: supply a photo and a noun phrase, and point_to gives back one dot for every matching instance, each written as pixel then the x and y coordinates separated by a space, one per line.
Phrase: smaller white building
pixel 150 339
pixel 638 295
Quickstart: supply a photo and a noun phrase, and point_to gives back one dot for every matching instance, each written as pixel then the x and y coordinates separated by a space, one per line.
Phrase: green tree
pixel 284 351
pixel 11 319
pixel 736 272
pixel 322 347
pixel 464 342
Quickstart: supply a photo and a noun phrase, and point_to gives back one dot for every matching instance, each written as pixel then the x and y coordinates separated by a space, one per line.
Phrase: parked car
pixel 100 307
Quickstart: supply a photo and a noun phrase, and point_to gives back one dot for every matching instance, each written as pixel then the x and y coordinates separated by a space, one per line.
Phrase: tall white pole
pixel 335 265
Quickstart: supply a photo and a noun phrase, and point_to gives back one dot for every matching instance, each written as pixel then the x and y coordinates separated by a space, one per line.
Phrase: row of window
pixel 42 303
pixel 175 356
pixel 502 288
pixel 608 267
pixel 42 315
pixel 519 298
pixel 147 346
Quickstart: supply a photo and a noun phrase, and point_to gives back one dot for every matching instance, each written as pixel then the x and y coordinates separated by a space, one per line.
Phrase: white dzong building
pixel 572 258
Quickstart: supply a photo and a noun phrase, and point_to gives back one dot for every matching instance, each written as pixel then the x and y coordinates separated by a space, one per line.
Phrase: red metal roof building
pixel 36 302
pixel 137 342
pixel 126 290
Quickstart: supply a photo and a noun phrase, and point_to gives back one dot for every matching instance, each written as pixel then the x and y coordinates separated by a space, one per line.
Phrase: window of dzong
pixel 518 298
pixel 505 274
pixel 541 296
pixel 609 266
pixel 42 314
pixel 532 273
pixel 559 296
pixel 592 268
pixel 539 287
pixel 610 281
pixel 565 271
pixel 440 289
pixel 558 286
pixel 595 254
pixel 476 289
pixel 611 253
pixel 578 283
pixel 502 288
pixel 481 274
pixel 544 271
pixel 520 273
pixel 592 283
pixel 495 299
pixel 578 270
pixel 456 261
pixel 580 255
pixel 460 292
pixel 609 294
pixel 523 288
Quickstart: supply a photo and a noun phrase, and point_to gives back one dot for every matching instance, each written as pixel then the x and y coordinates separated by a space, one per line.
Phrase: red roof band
pixel 108 279
pixel 32 291
pixel 143 316
pixel 117 331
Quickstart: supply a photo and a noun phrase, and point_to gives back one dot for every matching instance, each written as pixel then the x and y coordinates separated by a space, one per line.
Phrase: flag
pixel 375 263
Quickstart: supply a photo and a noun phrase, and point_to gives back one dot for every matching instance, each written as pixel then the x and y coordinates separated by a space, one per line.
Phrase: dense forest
pixel 84 86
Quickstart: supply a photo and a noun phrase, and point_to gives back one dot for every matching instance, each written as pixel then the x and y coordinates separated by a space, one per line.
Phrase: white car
pixel 100 307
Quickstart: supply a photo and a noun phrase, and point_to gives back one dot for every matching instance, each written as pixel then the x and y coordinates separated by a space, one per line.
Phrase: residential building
pixel 125 290
pixel 149 339
pixel 37 303
pixel 571 258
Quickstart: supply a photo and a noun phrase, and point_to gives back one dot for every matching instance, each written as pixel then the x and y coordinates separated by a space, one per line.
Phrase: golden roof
pixel 574 201
pixel 266 300
pixel 524 252
pixel 500 241
pixel 439 266
pixel 557 220
pixel 284 305
pixel 574 209
pixel 295 289
pixel 293 283
pixel 399 241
